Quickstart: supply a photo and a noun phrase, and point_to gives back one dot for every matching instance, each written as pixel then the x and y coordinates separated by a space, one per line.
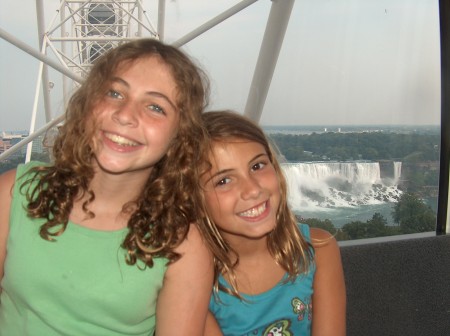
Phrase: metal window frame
pixel 443 213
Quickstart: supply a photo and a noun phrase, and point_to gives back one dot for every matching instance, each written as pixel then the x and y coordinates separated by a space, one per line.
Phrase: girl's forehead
pixel 232 142
pixel 224 151
pixel 228 141
pixel 222 146
pixel 124 65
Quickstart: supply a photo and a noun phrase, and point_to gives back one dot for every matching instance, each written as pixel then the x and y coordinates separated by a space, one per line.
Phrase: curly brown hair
pixel 285 243
pixel 165 208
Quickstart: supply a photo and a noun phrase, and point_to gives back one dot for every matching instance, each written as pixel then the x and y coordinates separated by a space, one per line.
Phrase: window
pixel 353 106
pixel 354 103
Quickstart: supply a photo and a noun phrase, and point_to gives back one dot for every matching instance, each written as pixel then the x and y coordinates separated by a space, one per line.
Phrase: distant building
pixel 38 145
pixel 9 140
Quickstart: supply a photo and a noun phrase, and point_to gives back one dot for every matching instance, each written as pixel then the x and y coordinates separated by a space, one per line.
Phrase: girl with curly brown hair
pixel 102 241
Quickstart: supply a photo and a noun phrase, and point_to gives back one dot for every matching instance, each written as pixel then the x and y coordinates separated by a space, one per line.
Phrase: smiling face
pixel 137 118
pixel 241 190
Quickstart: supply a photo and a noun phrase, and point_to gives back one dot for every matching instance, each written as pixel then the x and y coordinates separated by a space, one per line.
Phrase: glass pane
pixel 354 108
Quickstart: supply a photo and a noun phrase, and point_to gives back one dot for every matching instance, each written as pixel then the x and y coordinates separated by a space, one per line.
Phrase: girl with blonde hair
pixel 273 276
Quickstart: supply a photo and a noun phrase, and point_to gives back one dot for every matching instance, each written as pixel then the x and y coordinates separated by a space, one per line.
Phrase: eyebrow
pixel 149 93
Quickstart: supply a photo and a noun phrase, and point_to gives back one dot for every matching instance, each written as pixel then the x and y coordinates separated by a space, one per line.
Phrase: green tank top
pixel 78 285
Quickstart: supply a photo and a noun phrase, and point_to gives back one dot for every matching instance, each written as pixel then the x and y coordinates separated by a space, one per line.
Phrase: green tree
pixel 355 230
pixel 375 227
pixel 413 215
pixel 13 162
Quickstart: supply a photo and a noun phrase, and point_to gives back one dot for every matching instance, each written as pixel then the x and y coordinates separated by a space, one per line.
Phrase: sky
pixel 342 62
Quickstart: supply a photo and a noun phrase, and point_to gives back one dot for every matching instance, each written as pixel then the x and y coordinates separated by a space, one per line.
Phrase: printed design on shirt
pixel 302 308
pixel 278 328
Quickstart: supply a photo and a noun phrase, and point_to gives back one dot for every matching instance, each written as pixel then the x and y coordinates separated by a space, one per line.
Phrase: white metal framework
pixel 86 29
pixel 82 30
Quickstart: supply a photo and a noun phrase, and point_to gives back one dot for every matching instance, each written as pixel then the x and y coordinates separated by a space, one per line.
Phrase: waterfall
pixel 340 184
pixel 397 172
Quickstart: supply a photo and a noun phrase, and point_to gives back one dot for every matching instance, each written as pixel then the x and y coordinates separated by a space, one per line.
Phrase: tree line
pixel 358 146
pixel 410 214
pixel 15 160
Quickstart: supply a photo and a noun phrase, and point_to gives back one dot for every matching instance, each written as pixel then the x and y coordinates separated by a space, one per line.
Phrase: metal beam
pixel 45 77
pixel 161 18
pixel 443 213
pixel 268 55
pixel 214 22
pixel 36 54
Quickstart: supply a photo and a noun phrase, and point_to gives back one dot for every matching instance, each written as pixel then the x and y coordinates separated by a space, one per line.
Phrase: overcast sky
pixel 342 61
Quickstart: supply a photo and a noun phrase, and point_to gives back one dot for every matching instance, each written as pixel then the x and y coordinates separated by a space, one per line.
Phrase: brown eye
pixel 223 181
pixel 258 166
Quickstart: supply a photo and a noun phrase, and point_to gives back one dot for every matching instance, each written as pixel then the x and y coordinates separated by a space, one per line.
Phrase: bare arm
pixel 212 327
pixel 6 184
pixel 329 298
pixel 183 301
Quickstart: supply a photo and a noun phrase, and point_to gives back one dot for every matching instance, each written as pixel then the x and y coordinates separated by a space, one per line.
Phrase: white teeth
pixel 254 212
pixel 120 140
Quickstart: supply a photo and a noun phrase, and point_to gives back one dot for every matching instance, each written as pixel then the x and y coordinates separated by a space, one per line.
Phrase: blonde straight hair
pixel 285 243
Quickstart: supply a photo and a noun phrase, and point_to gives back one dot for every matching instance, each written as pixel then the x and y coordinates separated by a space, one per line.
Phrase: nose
pixel 250 188
pixel 126 114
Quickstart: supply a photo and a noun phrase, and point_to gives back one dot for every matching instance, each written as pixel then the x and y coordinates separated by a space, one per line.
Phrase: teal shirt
pixel 78 285
pixel 284 310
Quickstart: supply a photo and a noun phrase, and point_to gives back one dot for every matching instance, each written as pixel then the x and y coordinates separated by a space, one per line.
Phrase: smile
pixel 119 140
pixel 254 212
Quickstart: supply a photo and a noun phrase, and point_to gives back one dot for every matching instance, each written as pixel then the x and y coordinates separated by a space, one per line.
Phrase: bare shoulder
pixel 323 242
pixel 187 288
pixel 195 254
pixel 196 261
pixel 320 234
pixel 6 184
pixel 6 189
pixel 193 241
pixel 329 298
